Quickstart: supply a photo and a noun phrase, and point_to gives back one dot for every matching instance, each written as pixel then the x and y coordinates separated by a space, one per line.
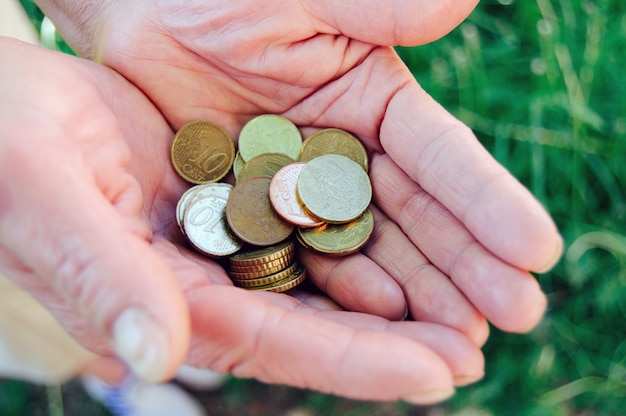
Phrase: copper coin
pixel 284 197
pixel 251 216
pixel 202 152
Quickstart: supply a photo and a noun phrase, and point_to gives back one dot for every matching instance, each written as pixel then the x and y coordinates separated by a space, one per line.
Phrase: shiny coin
pixel 269 133
pixel 238 165
pixel 251 216
pixel 266 280
pixel 221 190
pixel 263 255
pixel 205 226
pixel 333 141
pixel 266 164
pixel 283 285
pixel 181 207
pixel 334 188
pixel 259 270
pixel 339 239
pixel 202 152
pixel 284 198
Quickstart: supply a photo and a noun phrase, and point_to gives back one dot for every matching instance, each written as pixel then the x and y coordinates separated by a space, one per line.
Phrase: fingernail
pixel 142 344
pixel 465 380
pixel 430 397
pixel 554 259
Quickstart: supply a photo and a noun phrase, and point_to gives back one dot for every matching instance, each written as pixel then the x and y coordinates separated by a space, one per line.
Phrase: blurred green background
pixel 541 83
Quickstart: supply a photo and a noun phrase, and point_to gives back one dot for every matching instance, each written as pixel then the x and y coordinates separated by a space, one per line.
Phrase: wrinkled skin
pixel 87 224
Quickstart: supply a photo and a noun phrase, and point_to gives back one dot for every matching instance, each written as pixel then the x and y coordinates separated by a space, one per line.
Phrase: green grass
pixel 540 82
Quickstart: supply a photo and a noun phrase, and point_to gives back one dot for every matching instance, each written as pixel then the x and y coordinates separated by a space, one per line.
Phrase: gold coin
pixel 269 133
pixel 238 165
pixel 287 283
pixel 266 280
pixel 259 270
pixel 338 239
pixel 262 255
pixel 205 224
pixel 202 152
pixel 265 164
pixel 251 216
pixel 334 188
pixel 334 141
pixel 284 197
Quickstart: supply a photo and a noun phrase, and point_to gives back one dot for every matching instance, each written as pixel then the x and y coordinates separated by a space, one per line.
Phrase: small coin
pixel 334 188
pixel 287 283
pixel 205 226
pixel 265 279
pixel 265 164
pixel 263 269
pixel 334 141
pixel 251 216
pixel 238 165
pixel 284 197
pixel 202 152
pixel 338 239
pixel 269 133
pixel 195 192
pixel 181 206
pixel 262 255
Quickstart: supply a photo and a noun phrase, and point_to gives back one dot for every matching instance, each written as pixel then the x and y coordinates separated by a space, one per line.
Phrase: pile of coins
pixel 315 192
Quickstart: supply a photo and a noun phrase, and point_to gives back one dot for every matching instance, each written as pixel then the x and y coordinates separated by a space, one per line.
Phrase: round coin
pixel 265 164
pixel 334 188
pixel 263 255
pixel 251 216
pixel 202 152
pixel 205 226
pixel 181 206
pixel 283 285
pixel 259 270
pixel 284 198
pixel 238 165
pixel 338 239
pixel 269 133
pixel 266 279
pixel 333 141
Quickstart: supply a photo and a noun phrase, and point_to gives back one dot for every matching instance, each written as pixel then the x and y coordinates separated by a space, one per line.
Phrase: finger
pixel 82 247
pixel 431 296
pixel 356 283
pixel 391 23
pixel 464 359
pixel 506 295
pixel 443 156
pixel 243 333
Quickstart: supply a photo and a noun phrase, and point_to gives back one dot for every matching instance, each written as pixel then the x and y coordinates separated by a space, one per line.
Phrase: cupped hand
pixel 456 237
pixel 86 220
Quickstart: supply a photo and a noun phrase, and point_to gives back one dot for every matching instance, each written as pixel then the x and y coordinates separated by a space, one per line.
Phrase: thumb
pixel 392 22
pixel 96 259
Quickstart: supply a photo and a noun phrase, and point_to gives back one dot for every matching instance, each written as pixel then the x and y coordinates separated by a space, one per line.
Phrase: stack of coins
pixel 271 268
pixel 316 193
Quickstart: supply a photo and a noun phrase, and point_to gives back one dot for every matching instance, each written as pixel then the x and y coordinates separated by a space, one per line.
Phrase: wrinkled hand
pixel 455 238
pixel 85 210
pixel 456 234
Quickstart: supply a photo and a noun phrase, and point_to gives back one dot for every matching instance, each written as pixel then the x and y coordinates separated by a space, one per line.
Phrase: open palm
pixel 455 234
